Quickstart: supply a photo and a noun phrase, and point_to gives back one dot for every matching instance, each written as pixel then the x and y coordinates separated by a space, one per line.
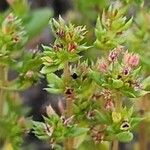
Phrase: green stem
pixel 118 106
pixel 118 102
pixel 115 145
pixel 143 136
pixel 3 79
pixel 143 128
pixel 68 144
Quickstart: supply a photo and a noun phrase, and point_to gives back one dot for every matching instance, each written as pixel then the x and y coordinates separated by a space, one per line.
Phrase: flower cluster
pixel 110 27
pixel 56 129
pixel 119 71
pixel 66 48
pixel 93 91
pixel 12 39
pixel 12 33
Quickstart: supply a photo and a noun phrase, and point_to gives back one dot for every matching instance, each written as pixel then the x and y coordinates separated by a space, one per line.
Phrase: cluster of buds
pixel 6 26
pixel 56 128
pixel 103 64
pixel 108 98
pixel 12 26
pixel 92 94
pixel 110 28
pixel 127 65
pixel 106 94
pixel 97 134
pixel 69 36
pixel 66 48
pixel 12 38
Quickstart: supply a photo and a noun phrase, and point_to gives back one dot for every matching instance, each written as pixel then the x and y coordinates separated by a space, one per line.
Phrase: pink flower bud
pixel 113 55
pixel 109 105
pixel 103 65
pixel 131 59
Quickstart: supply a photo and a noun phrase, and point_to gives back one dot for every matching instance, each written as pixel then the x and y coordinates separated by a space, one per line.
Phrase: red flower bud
pixel 72 47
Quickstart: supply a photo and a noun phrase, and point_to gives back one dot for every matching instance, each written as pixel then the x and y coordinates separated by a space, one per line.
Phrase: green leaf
pixel 139 1
pixel 146 83
pixel 142 93
pixel 129 94
pixel 128 24
pixel 130 112
pixel 46 48
pixel 43 137
pixel 54 79
pixel 102 117
pixel 117 83
pixel 135 122
pixel 136 72
pixel 38 124
pixel 124 136
pixel 96 76
pixel 78 140
pixel 54 91
pixel 48 69
pixel 55 84
pixel 76 131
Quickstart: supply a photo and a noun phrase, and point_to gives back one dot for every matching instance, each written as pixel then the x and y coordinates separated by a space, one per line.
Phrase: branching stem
pixel 68 144
pixel 118 106
pixel 3 79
